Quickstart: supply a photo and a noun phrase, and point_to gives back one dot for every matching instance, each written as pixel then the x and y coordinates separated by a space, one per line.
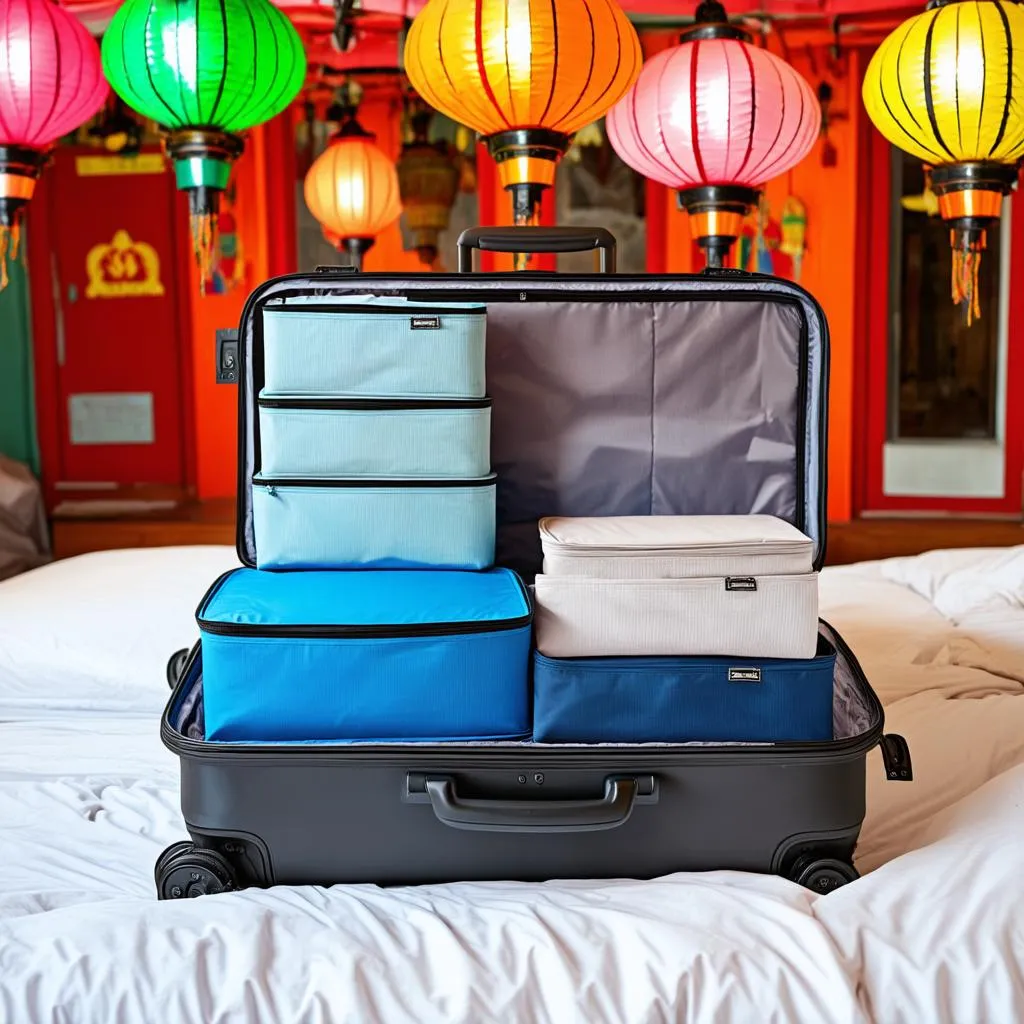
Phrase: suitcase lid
pixel 615 395
pixel 425 601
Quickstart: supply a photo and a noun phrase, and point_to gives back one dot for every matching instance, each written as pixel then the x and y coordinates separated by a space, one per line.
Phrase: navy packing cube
pixel 350 437
pixel 374 346
pixel 681 700
pixel 380 524
pixel 365 655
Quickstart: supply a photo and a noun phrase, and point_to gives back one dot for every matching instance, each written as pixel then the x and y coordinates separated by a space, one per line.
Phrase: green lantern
pixel 206 70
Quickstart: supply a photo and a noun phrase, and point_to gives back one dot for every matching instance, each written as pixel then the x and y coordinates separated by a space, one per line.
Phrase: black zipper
pixel 297 631
pixel 356 308
pixel 339 632
pixel 272 482
pixel 373 404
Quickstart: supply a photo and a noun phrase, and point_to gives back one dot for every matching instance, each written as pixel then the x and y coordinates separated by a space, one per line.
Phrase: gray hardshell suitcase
pixel 612 395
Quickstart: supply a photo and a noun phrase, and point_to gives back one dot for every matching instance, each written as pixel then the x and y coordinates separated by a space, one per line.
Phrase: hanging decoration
pixel 352 187
pixel 715 118
pixel 207 72
pixel 52 83
pixel 525 76
pixel 794 233
pixel 945 87
pixel 428 181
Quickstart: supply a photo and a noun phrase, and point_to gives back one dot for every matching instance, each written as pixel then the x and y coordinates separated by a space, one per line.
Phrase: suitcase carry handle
pixel 537 240
pixel 612 810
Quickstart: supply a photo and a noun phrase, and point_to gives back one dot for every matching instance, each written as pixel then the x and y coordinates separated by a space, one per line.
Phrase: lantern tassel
pixel 204 229
pixel 966 269
pixel 5 241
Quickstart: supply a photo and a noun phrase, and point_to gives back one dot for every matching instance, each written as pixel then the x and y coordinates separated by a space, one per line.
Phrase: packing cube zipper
pixel 344 436
pixel 365 655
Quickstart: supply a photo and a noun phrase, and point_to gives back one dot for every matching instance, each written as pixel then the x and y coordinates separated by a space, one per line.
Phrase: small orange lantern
pixel 352 189
pixel 525 76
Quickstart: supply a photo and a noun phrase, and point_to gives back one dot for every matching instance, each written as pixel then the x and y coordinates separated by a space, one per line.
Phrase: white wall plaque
pixel 114 418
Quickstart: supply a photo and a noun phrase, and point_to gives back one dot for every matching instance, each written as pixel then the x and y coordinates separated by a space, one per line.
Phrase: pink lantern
pixel 51 81
pixel 95 15
pixel 715 117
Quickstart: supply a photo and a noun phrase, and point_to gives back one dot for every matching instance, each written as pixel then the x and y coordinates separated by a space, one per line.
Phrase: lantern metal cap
pixel 206 143
pixel 975 175
pixel 712 22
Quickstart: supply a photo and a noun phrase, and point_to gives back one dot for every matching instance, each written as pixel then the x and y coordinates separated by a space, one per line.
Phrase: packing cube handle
pixel 610 811
pixel 537 240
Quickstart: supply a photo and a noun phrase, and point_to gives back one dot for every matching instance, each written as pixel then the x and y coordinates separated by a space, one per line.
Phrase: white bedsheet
pixel 934 932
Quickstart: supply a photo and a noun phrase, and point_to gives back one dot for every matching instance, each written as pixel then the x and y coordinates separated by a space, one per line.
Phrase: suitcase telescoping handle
pixel 496 815
pixel 537 240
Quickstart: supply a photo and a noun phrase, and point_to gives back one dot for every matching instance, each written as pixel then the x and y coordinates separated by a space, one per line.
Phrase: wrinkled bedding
pixel 933 932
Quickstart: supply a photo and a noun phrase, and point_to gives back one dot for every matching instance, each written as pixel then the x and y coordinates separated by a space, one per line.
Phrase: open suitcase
pixel 611 395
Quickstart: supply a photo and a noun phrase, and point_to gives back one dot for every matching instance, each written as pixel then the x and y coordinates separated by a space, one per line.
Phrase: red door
pixel 117 407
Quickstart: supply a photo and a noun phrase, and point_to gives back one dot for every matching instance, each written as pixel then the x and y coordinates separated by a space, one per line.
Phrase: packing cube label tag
pixel 744 675
pixel 425 323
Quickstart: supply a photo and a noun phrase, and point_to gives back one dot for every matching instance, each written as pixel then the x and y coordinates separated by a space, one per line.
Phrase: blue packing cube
pixel 373 524
pixel 681 700
pixel 375 347
pixel 352 437
pixel 342 656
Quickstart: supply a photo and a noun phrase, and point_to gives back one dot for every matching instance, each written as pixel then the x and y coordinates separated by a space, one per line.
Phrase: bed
pixel 933 932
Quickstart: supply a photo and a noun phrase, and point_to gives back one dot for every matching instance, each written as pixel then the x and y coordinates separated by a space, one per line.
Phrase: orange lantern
pixel 352 189
pixel 525 76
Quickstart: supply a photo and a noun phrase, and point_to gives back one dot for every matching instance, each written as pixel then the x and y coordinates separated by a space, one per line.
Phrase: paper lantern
pixel 352 189
pixel 526 76
pixel 945 87
pixel 715 118
pixel 206 71
pixel 428 182
pixel 51 83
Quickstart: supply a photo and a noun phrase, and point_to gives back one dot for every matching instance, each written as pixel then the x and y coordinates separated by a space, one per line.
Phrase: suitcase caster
pixel 183 872
pixel 822 875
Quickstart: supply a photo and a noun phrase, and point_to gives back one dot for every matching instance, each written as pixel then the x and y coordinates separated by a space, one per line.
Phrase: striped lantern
pixel 526 76
pixel 715 118
pixel 946 87
pixel 352 189
pixel 51 83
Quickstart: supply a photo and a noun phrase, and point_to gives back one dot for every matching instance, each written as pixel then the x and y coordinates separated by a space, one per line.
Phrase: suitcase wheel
pixel 183 871
pixel 822 874
pixel 175 665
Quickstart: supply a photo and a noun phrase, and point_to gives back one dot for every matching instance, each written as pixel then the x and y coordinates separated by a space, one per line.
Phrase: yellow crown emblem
pixel 122 268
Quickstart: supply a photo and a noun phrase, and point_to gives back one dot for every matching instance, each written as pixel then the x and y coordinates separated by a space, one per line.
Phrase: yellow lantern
pixel 526 76
pixel 944 87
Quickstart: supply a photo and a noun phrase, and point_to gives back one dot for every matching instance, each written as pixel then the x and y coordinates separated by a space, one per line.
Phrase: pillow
pixel 94 633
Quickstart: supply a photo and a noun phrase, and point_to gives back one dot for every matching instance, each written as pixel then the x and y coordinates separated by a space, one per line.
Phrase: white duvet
pixel 933 932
